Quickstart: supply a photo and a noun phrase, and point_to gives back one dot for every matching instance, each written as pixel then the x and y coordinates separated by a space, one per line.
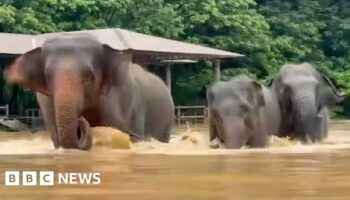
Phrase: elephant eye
pixel 88 79
pixel 245 108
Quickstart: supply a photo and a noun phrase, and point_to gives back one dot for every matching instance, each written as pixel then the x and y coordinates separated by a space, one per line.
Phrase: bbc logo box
pixel 29 178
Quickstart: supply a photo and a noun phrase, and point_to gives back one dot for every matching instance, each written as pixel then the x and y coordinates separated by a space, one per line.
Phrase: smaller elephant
pixel 304 95
pixel 242 111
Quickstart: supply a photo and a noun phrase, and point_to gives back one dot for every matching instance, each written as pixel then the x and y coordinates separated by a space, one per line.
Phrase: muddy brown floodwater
pixel 185 169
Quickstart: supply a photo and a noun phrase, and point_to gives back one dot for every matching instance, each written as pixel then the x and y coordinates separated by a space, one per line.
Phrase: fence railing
pixel 4 112
pixel 193 114
pixel 33 119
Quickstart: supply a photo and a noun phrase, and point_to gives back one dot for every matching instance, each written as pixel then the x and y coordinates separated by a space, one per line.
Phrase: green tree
pixel 226 24
pixel 269 32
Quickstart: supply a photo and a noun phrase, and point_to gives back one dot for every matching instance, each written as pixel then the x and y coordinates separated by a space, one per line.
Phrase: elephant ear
pixel 115 67
pixel 269 82
pixel 28 70
pixel 329 95
pixel 283 93
pixel 258 90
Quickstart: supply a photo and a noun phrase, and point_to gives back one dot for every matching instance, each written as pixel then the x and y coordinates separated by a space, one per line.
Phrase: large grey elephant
pixel 242 111
pixel 304 95
pixel 81 83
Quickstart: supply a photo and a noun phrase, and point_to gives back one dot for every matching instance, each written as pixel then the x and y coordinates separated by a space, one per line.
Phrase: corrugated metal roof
pixel 156 48
pixel 148 43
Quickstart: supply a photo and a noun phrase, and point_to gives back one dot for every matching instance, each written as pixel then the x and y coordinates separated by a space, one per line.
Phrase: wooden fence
pixel 34 119
pixel 192 114
pixel 4 112
pixel 34 122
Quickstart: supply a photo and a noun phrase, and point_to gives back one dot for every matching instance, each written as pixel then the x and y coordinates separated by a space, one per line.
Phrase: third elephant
pixel 304 96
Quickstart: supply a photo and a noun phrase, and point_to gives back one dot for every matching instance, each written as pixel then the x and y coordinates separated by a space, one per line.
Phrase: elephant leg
pixel 215 142
pixel 137 126
pixel 259 135
pixel 304 138
pixel 165 137
pixel 112 113
pixel 325 124
pixel 212 130
pixel 321 127
pixel 47 110
pixel 317 134
pixel 324 130
pixel 259 140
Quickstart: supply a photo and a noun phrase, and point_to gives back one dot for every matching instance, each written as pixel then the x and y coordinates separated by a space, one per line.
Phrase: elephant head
pixel 303 93
pixel 74 71
pixel 234 108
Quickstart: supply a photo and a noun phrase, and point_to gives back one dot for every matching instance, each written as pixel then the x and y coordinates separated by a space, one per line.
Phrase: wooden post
pixel 7 111
pixel 168 76
pixel 205 111
pixel 217 70
pixel 179 115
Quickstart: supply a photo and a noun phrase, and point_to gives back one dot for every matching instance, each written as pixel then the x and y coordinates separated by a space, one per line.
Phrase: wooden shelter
pixel 146 49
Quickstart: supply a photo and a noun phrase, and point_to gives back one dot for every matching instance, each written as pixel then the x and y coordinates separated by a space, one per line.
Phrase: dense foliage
pixel 269 32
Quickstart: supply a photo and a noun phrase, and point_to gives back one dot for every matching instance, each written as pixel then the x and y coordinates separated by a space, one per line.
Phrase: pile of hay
pixel 110 138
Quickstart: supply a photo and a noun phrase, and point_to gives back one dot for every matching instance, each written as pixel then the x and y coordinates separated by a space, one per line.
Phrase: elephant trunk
pixel 235 135
pixel 73 131
pixel 306 118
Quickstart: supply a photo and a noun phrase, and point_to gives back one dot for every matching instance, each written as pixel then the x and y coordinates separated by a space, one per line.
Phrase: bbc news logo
pixel 49 178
